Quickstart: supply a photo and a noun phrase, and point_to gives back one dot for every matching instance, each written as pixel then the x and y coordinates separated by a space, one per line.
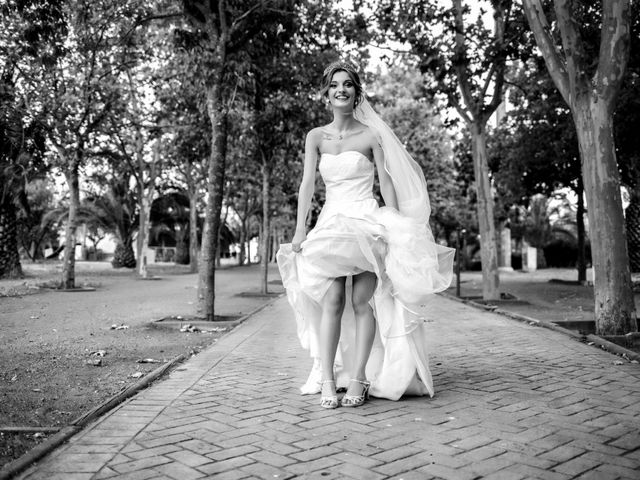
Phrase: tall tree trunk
pixel 10 266
pixel 145 198
pixel 476 113
pixel 69 260
pixel 143 232
pixel 582 254
pixel 592 100
pixel 218 117
pixel 614 305
pixel 194 247
pixel 488 242
pixel 266 227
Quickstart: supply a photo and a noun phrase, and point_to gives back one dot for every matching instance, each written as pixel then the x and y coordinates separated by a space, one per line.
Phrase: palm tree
pixel 12 180
pixel 20 149
pixel 114 212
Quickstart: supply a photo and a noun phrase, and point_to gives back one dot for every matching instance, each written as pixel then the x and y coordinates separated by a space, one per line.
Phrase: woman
pixel 387 252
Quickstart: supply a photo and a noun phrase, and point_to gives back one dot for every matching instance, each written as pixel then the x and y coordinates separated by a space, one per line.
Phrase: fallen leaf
pixel 189 328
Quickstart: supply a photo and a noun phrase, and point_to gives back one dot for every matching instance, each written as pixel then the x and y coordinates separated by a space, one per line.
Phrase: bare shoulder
pixel 314 137
pixel 371 137
pixel 315 134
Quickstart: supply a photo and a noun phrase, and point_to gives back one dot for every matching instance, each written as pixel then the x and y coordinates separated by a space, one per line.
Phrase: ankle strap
pixel 361 382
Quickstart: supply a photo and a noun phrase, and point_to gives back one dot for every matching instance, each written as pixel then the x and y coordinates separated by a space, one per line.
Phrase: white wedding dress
pixel 353 235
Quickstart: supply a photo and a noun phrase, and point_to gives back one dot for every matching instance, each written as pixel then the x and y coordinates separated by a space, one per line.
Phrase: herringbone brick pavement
pixel 512 401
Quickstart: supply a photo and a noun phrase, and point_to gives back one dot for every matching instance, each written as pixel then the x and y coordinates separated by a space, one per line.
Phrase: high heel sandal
pixel 328 401
pixel 357 400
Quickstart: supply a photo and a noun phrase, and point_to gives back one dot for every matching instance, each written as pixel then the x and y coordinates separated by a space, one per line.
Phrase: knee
pixel 334 302
pixel 360 304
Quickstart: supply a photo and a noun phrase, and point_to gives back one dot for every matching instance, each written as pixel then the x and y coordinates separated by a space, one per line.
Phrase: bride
pixel 388 254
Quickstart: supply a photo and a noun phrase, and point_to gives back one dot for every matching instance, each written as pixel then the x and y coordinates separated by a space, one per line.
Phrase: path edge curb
pixel 30 457
pixel 36 453
pixel 605 345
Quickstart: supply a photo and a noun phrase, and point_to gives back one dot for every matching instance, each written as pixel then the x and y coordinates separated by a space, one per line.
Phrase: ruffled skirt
pixel 410 267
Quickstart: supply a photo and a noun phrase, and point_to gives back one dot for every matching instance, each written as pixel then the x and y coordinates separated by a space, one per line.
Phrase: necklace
pixel 333 134
pixel 346 133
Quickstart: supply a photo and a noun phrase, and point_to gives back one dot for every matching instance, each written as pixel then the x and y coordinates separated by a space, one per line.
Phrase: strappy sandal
pixel 357 400
pixel 330 401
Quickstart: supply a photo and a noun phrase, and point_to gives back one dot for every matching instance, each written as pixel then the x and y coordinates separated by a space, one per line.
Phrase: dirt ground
pixel 547 294
pixel 52 339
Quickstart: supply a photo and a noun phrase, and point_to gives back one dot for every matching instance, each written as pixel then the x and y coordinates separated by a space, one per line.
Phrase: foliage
pixel 21 143
pixel 170 224
pixel 401 100
pixel 537 226
pixel 33 234
pixel 522 165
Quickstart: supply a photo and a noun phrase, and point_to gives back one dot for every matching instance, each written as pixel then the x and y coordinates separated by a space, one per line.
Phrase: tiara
pixel 340 65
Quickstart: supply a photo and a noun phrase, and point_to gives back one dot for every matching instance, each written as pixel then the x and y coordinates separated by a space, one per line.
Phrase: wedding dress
pixel 353 235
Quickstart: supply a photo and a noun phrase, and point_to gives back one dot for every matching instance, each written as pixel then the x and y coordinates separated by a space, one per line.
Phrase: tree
pixel 27 32
pixel 221 29
pixel 170 222
pixel 467 63
pixel 14 165
pixel 589 81
pixel 115 212
pixel 188 146
pixel 413 116
pixel 74 90
pixel 627 126
pixel 522 166
pixel 33 235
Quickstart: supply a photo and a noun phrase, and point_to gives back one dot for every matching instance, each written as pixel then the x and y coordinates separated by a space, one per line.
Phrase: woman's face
pixel 342 91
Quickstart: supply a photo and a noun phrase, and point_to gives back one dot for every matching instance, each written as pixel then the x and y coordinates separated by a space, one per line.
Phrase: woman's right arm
pixel 307 187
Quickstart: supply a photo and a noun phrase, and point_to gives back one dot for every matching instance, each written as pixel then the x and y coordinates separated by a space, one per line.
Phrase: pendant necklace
pixel 343 134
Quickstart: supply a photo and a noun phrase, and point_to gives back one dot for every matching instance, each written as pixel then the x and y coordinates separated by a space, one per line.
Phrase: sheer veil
pixel 407 176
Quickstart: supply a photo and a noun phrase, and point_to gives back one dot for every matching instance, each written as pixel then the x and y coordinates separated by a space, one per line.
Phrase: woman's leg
pixel 332 309
pixel 364 284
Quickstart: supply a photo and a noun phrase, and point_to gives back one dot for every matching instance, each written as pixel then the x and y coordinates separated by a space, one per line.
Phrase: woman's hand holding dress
pixel 298 238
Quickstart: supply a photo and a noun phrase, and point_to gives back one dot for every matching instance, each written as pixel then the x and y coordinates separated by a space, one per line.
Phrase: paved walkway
pixel 512 401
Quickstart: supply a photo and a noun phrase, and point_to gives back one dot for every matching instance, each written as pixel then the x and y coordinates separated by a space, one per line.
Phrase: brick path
pixel 512 401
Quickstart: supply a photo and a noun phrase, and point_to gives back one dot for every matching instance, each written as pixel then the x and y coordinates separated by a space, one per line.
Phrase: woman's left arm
pixel 386 184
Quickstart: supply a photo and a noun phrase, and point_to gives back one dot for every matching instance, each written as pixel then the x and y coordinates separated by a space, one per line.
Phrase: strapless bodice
pixel 348 176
